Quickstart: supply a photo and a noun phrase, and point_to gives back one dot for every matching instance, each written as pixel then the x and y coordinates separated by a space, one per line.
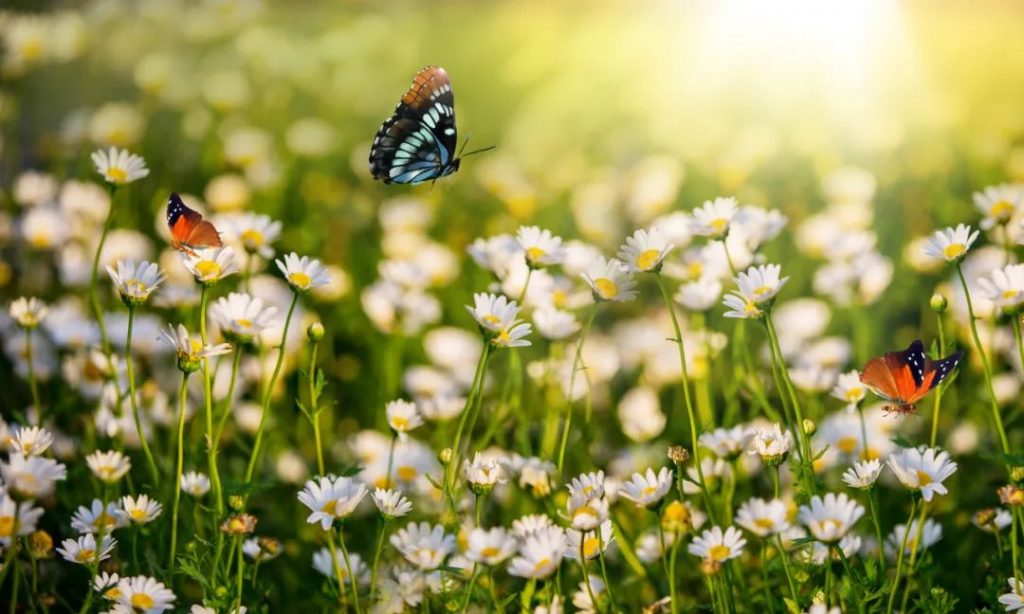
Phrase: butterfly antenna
pixel 476 151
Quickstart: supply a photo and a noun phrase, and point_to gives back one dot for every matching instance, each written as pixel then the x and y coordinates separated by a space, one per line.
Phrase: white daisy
pixel 135 281
pixel 322 562
pixel 610 280
pixel 16 519
pixel 32 441
pixel 763 518
pixel 391 503
pixel 145 594
pixel 423 545
pixel 923 470
pixel 31 477
pixel 592 542
pixel 491 546
pixel 761 283
pixel 863 474
pixel 513 336
pixel 94 518
pixel 741 307
pixel 83 549
pixel 540 554
pixel 256 233
pixel 699 295
pixel 141 509
pixel 587 485
pixel 118 166
pixel 241 317
pixel 493 312
pixel 829 519
pixel 712 219
pixel 929 534
pixel 190 351
pixel 109 466
pixel 645 251
pixel 771 444
pixel 951 244
pixel 727 443
pixel 483 472
pixel 303 273
pixel 210 265
pixel 195 483
pixel 540 247
pixel 998 203
pixel 849 389
pixel 717 546
pixel 647 489
pixel 1014 600
pixel 331 498
pixel 555 324
pixel 402 416
pixel 587 513
pixel 1004 287
pixel 28 312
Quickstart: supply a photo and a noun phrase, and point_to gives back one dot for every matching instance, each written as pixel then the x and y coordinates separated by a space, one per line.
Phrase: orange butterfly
pixel 903 378
pixel 189 230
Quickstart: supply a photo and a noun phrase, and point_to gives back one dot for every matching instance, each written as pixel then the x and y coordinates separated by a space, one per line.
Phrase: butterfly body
pixel 903 378
pixel 417 143
pixel 189 231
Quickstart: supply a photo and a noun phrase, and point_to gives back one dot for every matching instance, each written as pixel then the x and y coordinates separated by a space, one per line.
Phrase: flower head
pixel 763 518
pixel 647 489
pixel 727 443
pixel 135 281
pixel 921 537
pixel 555 324
pixel 771 444
pixel 144 594
pixel 256 233
pixel 645 251
pixel 118 166
pixel 849 389
pixel 712 219
pixel 951 244
pixel 391 503
pixel 141 509
pixel 331 498
pixel 84 551
pixel 717 546
pixel 190 351
pixel 539 246
pixel 242 317
pixel 998 203
pixel 610 280
pixel 28 312
pixel 540 554
pixel 699 295
pixel 923 470
pixel 483 473
pixel 31 477
pixel 108 466
pixel 210 265
pixel 863 474
pixel 761 283
pixel 195 483
pixel 493 312
pixel 1004 287
pixel 423 545
pixel 829 519
pixel 303 273
pixel 490 546
pixel 32 441
pixel 402 416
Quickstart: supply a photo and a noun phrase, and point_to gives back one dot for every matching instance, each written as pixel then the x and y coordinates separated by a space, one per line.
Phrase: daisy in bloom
pixel 190 351
pixel 581 599
pixel 699 295
pixel 741 307
pixel 951 244
pixel 645 251
pixel 771 444
pixel 135 281
pixel 863 474
pixel 849 389
pixel 998 203
pixel 712 219
pixel 922 469
pixel 761 283
pixel 28 312
pixel 144 594
pixel 590 485
pixel 555 324
pixel 331 498
pixel 240 524
pixel 530 524
pixel 716 546
pixel 727 443
pixel 83 549
pixel 31 477
pixel 495 254
pixel 141 509
pixel 262 548
pixel 118 166
pixel 93 519
pixel 992 520
pixel 540 247
pixel 586 513
pixel 610 280
pixel 1014 600
pixel 423 545
pixel 829 519
pixel 210 265
pixel 32 441
pixel 322 562
pixel 589 542
pixel 402 416
pixel 483 473
pixel 303 273
pixel 195 483
pixel 16 519
pixel 256 233
pixel 105 580
pixel 1004 287
pixel 929 534
pixel 241 317
pixel 391 503
pixel 490 546
pixel 763 518
pixel 108 466
pixel 493 312
pixel 539 555
pixel 513 336
pixel 647 489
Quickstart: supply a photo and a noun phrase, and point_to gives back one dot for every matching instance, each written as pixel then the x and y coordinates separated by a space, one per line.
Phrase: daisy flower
pixel 741 307
pixel 727 443
pixel 923 470
pixel 849 389
pixel 256 233
pixel 423 545
pixel 190 351
pixel 712 219
pixel 1004 287
pixel 645 251
pixel 829 519
pixel 513 336
pixel 16 519
pixel 391 503
pixel 647 489
pixel 135 281
pixel 581 599
pixel 530 524
pixel 94 518
pixel 31 477
pixel 540 247
pixel 118 166
pixel 771 444
pixel 482 473
pixel 490 546
pixel 587 513
pixel 83 549
pixel 493 312
pixel 929 535
pixel 555 324
pixel 763 518
pixel 589 542
pixel 28 312
pixel 699 295
pixel 951 244
pixel 262 548
pixel 540 554
pixel 303 273
pixel 331 498
pixel 241 317
pixel 322 562
pixel 587 485
pixel 761 283
pixel 32 441
pixel 195 483
pixel 717 546
pixel 998 203
pixel 1014 600
pixel 610 280
pixel 145 594
pixel 210 265
pixel 141 509
pixel 402 416
pixel 863 474
pixel 108 466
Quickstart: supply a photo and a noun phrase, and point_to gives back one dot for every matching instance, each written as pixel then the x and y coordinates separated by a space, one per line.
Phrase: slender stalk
pixel 182 394
pixel 773 340
pixel 672 558
pixel 269 392
pixel 241 571
pixel 474 392
pixel 915 546
pixel 604 570
pixel 828 575
pixel 577 358
pixel 350 576
pixel 1014 527
pixel 134 402
pixel 226 411
pixel 583 568
pixel 996 417
pixel 937 401
pixel 469 587
pixel 785 567
pixel 376 558
pixel 100 534
pixel 899 557
pixel 94 298
pixel 314 412
pixel 32 384
pixel 211 455
pixel 878 526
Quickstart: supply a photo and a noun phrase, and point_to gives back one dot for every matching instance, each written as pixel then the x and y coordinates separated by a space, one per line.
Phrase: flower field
pixel 721 311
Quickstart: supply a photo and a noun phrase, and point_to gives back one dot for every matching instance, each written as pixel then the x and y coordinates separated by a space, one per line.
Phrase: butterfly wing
pixel 941 369
pixel 899 376
pixel 879 376
pixel 417 143
pixel 188 228
pixel 204 234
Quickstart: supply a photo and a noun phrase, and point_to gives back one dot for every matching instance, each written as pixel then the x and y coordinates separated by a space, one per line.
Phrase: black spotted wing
pixel 417 143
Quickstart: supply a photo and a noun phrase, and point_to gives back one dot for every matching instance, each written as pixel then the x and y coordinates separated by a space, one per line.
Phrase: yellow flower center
pixel 923 479
pixel 491 319
pixel 503 337
pixel 40 240
pixel 764 523
pixel 207 269
pixel 1009 294
pixel 763 290
pixel 112 594
pixel 719 224
pixel 829 525
pixel 138 514
pixel 559 298
pixel 85 555
pixel 300 279
pixel 383 482
pixel 694 269
pixel 751 309
pixel 648 259
pixel 117 175
pixel 649 490
pixel 541 564
pixel 854 394
pixel 718 553
pixel 134 287
pixel 585 510
pixel 590 546
pixel 407 473
pixel 490 552
pixel 330 507
pixel 252 238
pixel 954 250
pixel 399 423
pixel 606 287
pixel 142 601
pixel 534 254
pixel 244 323
pixel 847 445
pixel 1001 210
pixel 6 526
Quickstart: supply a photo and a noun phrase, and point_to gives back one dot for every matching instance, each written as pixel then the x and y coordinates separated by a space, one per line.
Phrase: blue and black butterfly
pixel 417 143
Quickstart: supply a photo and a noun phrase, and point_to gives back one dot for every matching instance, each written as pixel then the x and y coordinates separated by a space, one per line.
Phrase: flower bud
pixel 678 454
pixel 939 303
pixel 1011 495
pixel 315 332
pixel 40 544
pixel 445 456
pixel 1017 475
pixel 236 503
pixel 984 517
pixel 810 427
pixel 676 518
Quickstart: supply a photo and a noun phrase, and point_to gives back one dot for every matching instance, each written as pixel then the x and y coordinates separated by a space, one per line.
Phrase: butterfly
pixel 188 228
pixel 417 143
pixel 903 378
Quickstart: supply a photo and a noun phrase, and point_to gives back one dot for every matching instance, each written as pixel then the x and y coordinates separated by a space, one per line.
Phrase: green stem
pixel 94 299
pixel 996 417
pixel 351 573
pixel 211 455
pixel 376 558
pixel 583 569
pixel 878 527
pixel 899 557
pixel 226 411
pixel 269 392
pixel 314 414
pixel 937 401
pixel 241 570
pixel 134 402
pixel 785 567
pixel 604 571
pixel 577 358
pixel 32 384
pixel 182 394
pixel 474 392
pixel 773 340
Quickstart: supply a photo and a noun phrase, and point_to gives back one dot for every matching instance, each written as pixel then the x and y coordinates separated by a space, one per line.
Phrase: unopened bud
pixel 1017 475
pixel 1011 495
pixel 810 427
pixel 315 332
pixel 236 503
pixel 939 303
pixel 984 517
pixel 678 454
pixel 445 456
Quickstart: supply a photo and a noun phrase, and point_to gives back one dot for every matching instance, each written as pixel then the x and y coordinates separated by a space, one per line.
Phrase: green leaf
pixel 901 442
